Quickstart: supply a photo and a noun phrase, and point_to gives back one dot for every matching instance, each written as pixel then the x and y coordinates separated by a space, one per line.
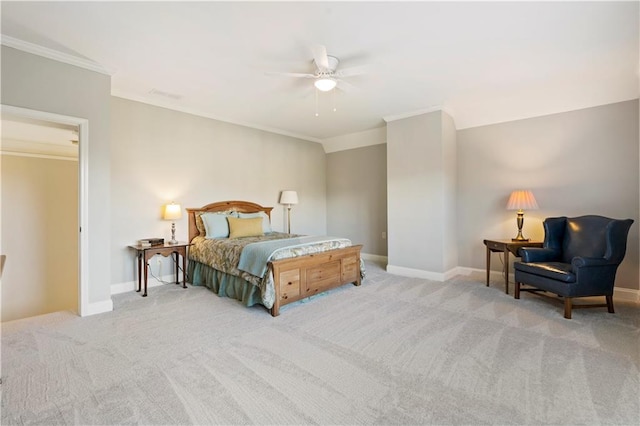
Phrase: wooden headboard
pixel 221 206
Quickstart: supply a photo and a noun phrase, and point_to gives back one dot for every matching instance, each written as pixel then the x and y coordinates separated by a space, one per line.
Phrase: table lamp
pixel 172 212
pixel 289 198
pixel 521 200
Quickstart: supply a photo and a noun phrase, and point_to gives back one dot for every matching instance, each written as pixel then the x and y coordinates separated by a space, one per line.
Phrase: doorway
pixel 45 232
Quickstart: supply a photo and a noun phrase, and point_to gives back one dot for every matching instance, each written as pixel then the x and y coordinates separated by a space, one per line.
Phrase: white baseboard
pixel 619 293
pixel 374 257
pixel 98 308
pixel 133 285
pixel 626 294
pixel 420 273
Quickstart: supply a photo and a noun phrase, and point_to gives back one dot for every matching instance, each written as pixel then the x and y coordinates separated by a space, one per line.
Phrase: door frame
pixel 83 187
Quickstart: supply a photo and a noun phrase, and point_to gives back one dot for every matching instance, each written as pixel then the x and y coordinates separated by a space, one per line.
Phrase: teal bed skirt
pixel 224 285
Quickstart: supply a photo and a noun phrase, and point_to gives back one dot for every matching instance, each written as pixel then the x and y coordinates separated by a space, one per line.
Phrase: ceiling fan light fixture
pixel 325 84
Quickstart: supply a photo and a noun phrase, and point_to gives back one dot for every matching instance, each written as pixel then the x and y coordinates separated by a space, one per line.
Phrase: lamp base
pixel 173 234
pixel 520 221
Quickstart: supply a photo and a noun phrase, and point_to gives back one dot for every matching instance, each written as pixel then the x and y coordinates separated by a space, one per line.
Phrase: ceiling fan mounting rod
pixel 331 63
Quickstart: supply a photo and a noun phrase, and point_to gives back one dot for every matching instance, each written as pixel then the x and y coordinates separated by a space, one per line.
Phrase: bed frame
pixel 298 277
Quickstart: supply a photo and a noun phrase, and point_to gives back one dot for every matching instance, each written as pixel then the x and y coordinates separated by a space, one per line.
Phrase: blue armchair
pixel 579 258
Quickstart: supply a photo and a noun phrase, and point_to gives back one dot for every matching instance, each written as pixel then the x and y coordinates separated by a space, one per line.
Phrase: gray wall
pixel 579 162
pixel 357 196
pixel 39 229
pixel 576 163
pixel 449 187
pixel 421 162
pixel 413 174
pixel 34 82
pixel 159 155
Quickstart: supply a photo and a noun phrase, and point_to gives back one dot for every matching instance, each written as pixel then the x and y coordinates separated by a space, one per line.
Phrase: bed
pixel 300 266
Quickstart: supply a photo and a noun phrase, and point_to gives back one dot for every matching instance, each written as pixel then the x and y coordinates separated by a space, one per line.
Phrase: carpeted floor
pixel 393 351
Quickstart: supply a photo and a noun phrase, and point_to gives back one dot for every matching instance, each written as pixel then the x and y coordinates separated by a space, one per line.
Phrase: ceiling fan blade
pixel 320 56
pixel 346 87
pixel 352 71
pixel 291 74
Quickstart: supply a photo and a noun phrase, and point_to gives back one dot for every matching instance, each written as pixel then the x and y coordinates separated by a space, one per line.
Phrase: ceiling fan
pixel 327 75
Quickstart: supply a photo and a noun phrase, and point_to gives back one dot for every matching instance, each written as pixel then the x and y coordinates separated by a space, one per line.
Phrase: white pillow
pixel 266 225
pixel 216 224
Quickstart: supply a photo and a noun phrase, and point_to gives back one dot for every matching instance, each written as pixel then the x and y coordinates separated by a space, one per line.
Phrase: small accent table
pixel 143 254
pixel 506 246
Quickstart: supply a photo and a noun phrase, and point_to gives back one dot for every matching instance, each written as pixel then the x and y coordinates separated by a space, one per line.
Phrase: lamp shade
pixel 522 200
pixel 289 197
pixel 325 84
pixel 172 211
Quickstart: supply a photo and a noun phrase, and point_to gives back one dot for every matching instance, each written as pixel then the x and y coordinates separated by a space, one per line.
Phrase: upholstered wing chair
pixel 579 258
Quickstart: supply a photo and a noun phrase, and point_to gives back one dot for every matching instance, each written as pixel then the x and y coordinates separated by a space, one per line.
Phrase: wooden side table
pixel 143 254
pixel 506 246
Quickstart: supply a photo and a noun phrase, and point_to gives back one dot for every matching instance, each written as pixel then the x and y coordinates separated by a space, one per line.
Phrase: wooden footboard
pixel 299 277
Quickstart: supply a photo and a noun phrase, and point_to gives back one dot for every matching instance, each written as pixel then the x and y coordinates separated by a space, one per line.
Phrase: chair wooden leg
pixel 610 304
pixel 567 307
pixel 516 291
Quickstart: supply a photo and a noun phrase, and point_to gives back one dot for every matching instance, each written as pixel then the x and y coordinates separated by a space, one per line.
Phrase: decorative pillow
pixel 200 225
pixel 239 227
pixel 215 224
pixel 266 225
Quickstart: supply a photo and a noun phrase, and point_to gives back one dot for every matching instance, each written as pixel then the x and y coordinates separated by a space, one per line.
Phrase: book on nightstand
pixel 148 242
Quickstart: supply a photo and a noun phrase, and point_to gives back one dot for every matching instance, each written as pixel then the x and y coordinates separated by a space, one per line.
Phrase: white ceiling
pixel 483 62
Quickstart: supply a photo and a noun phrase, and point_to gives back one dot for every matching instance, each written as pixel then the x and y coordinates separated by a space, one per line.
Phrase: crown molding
pixel 401 116
pixel 56 55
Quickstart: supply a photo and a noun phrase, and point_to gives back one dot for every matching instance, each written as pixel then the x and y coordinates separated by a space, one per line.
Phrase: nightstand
pixel 144 253
pixel 506 246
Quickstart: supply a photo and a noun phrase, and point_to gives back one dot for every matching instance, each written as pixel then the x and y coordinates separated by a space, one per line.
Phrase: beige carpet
pixel 393 351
